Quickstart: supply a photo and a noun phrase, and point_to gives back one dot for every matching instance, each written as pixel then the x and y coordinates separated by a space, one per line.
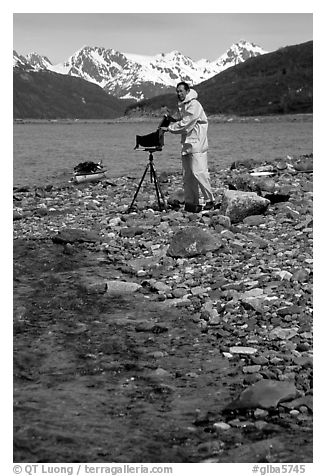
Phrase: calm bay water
pixel 46 152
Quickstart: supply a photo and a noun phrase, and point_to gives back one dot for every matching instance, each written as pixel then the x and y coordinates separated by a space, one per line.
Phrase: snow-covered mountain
pixel 19 61
pixel 38 62
pixel 32 61
pixel 136 76
pixel 238 53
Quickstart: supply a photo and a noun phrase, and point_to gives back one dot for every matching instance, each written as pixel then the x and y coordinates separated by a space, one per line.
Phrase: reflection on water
pixel 47 152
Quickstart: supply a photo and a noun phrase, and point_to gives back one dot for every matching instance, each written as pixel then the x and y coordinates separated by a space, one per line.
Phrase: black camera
pixel 154 139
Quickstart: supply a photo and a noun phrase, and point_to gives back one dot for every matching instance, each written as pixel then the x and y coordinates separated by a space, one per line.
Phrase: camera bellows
pixel 166 121
pixel 155 139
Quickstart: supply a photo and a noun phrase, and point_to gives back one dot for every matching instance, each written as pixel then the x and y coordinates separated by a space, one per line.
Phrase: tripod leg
pixel 138 188
pixel 159 193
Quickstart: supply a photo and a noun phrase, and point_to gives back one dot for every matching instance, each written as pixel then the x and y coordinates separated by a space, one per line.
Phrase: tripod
pixel 153 177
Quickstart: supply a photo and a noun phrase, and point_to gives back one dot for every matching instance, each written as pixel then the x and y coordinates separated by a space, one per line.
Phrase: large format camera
pixel 151 143
pixel 155 139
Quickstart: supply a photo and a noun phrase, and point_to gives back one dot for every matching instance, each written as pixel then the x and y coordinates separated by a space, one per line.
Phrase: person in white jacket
pixel 193 127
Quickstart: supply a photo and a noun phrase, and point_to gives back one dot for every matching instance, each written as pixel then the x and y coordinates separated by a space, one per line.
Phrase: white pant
pixel 195 177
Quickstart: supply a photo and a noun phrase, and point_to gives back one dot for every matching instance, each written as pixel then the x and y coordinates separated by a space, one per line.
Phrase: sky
pixel 195 34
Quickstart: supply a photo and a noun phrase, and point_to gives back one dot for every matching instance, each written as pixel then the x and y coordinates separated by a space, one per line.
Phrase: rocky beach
pixel 165 336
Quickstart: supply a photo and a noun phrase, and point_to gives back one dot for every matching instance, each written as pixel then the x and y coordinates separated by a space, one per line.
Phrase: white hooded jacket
pixel 192 126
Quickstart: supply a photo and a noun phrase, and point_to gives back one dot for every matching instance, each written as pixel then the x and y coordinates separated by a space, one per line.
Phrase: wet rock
pixel 91 206
pixel 242 350
pixel 209 447
pixel 68 249
pixel 221 426
pixel 142 263
pixel 249 379
pixel 280 164
pixel 251 369
pixel 284 275
pixel 72 235
pixel 264 168
pixel 255 303
pixel 306 401
pixel 221 220
pixel 116 287
pixel 266 184
pixel 193 241
pixel 17 215
pixel 260 413
pixel 113 222
pixel 41 211
pixel 210 313
pixel 258 360
pixel 238 205
pixel 254 220
pixel 243 183
pixel 131 231
pixel 292 309
pixel 156 286
pixel 304 163
pixel 301 276
pixel 249 183
pixel 303 346
pixel 254 292
pixel 179 292
pixel 283 333
pixel 160 374
pixel 264 394
pixel 257 241
pixel 198 291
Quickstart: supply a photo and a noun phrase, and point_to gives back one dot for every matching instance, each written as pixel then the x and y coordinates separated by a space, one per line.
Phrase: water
pixel 46 152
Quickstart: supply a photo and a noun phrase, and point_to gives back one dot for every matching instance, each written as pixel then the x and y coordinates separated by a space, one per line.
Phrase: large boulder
pixel 265 184
pixel 238 205
pixel 248 183
pixel 243 182
pixel 264 394
pixel 193 241
pixel 304 163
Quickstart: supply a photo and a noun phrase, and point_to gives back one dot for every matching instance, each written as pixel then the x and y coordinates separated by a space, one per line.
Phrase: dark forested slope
pixel 48 95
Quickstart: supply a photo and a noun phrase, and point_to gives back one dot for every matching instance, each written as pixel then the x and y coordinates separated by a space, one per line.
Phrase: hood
pixel 190 96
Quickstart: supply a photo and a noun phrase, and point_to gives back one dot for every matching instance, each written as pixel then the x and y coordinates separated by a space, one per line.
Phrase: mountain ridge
pixel 275 83
pixel 136 76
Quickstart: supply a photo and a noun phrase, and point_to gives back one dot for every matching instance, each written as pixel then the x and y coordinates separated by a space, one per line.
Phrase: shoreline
pixel 182 340
pixel 307 117
pixel 215 171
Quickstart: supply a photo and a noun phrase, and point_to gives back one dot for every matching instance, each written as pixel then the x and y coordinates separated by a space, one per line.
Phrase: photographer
pixel 193 126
